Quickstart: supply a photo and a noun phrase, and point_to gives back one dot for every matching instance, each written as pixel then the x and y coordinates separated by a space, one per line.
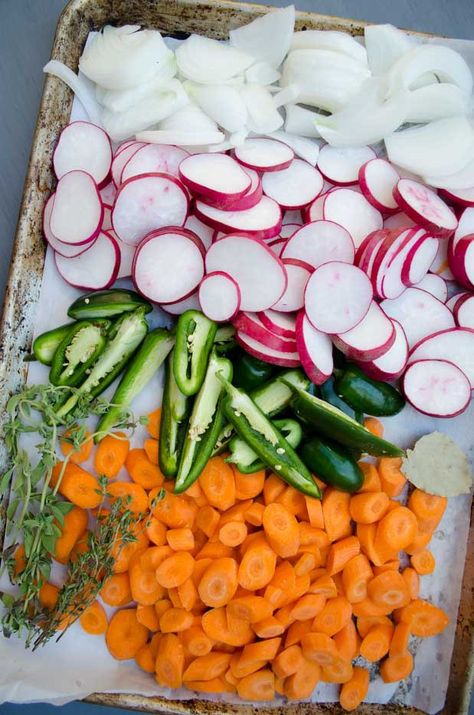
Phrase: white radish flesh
pixel 370 339
pixel 352 210
pixel 315 211
pixel 250 198
pixel 263 352
pixel 452 302
pixel 214 177
pixel 298 274
pixel 68 250
pixel 464 311
pixel 85 147
pixel 391 365
pixel 419 260
pixel 77 211
pixel 465 225
pixel 252 325
pixel 341 166
pixel 455 345
pixel 304 148
pixel 168 265
pixel 205 233
pixel 262 220
pixel 95 269
pixel 146 203
pixel 435 285
pixel 437 388
pixel 315 350
pixel 277 245
pixel 425 207
pixel 419 313
pixel 337 297
pixel 264 154
pixel 293 187
pixel 319 242
pixel 181 306
pixel 398 220
pixel 154 159
pixel 121 158
pixel 247 260
pixel 386 268
pixel 219 296
pixel 279 323
pixel 440 265
pixel 377 179
pixel 461 261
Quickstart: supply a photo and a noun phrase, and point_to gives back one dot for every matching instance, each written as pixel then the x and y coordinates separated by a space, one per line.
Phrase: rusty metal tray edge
pixel 213 18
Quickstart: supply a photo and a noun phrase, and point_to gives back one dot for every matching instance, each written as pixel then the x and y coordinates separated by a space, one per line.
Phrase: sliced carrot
pixel 125 635
pixel 122 553
pixel 368 507
pixel 283 615
pixel 272 489
pixel 354 691
pixel 153 424
pixel 221 627
pixel 233 533
pixel 207 520
pixel 241 670
pixel 218 484
pixel 94 619
pixel 269 627
pixel 153 556
pixel 396 667
pixel 337 518
pixel 74 525
pixel 314 512
pixel 196 642
pixel 392 565
pixel 371 481
pixel 257 567
pixel 250 608
pixel 374 426
pixel 423 562
pixel 144 585
pixel 175 620
pixel 156 531
pixel 153 643
pixel 218 583
pixel 293 501
pixel 378 553
pixel 48 595
pixel 423 618
pixel 175 511
pixel 207 667
pixel 254 514
pixel 296 631
pixel 376 643
pixel 180 539
pixel 188 594
pixel 110 455
pixel 337 578
pixel 132 496
pixel 145 659
pixel 421 540
pixel 173 595
pixel 150 446
pixel 169 665
pixel 428 508
pixel 282 585
pixel 308 606
pixel 281 530
pixel 339 670
pixel 397 529
pixel 161 606
pixel 324 585
pixel 319 647
pixel 175 569
pixel 333 617
pixel 355 576
pixel 262 650
pixel 215 550
pixel 142 471
pixel 80 454
pixel 312 535
pixel 392 478
pixel 288 661
pixel 215 685
pixel 365 623
pixel 340 553
pixel 366 607
pixel 301 684
pixel 412 581
pixel 302 584
pixel 400 639
pixel 78 486
pixel 280 686
pixel 259 686
pixel 388 589
pixel 347 641
pixel 306 563
pixel 248 486
pixel 147 616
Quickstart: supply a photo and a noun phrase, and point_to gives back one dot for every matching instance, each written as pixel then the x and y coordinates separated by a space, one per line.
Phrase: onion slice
pixel 78 86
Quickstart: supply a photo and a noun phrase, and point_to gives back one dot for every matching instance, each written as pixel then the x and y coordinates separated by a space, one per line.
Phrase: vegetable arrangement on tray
pixel 255 547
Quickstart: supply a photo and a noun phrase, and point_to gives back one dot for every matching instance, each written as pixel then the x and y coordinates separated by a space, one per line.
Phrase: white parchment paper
pixel 80 664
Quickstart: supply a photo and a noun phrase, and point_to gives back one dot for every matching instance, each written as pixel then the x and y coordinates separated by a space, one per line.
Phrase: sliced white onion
pixel 79 87
pixel 262 73
pixel 209 61
pixel 444 62
pixel 384 45
pixel 267 38
pixel 263 116
pixel 224 104
pixel 122 99
pixel 191 139
pixel 300 120
pixel 189 118
pixel 435 101
pixel 286 95
pixel 332 40
pixel 462 179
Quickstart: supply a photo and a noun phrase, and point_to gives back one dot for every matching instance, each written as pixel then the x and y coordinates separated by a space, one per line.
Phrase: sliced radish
pixel 68 250
pixel 337 297
pixel 251 324
pixel 419 259
pixel 386 268
pixel 260 275
pixel 370 339
pixel 204 232
pixel 352 210
pixel 292 217
pixel 263 352
pixel 465 225
pixel 366 252
pixel 455 345
pixel 462 197
pixel 214 177
pixel 419 313
pixel 123 145
pixel 83 146
pixel 121 158
pixel 298 273
pixel 219 296
pixel 319 242
pixel 147 203
pixel 168 265
pixel 108 194
pixel 289 229
pixel 154 159
pixel 279 323
pixel 425 207
pixel 263 220
pixel 315 211
pixel 461 260
pixel 377 179
pixel 277 245
pixel 77 212
pixel 181 306
pixel 127 254
pixel 250 198
pixel 440 265
pixel 453 301
pixel 295 186
pixel 264 154
pixel 398 220
pixel 95 269
pixel 341 166
pixel 107 219
pixel 464 311
pixel 435 285
pixel 315 350
pixel 437 388
pixel 391 365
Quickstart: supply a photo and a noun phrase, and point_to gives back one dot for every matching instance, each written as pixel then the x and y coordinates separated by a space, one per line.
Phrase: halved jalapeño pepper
pixel 46 344
pixel 329 394
pixel 370 396
pixel 194 339
pixel 250 372
pixel 266 440
pixel 334 424
pixel 331 463
pixel 175 410
pixel 107 303
pixel 244 456
pixel 205 423
pixel 147 360
pixel 77 352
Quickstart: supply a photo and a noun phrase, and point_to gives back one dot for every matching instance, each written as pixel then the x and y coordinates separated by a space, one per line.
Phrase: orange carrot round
pixel 423 618
pixel 74 525
pixel 355 576
pixel 248 486
pixel 218 484
pixel 337 518
pixel 110 455
pixel 145 659
pixel 218 583
pixel 80 487
pixel 354 691
pixel 396 667
pixel 174 570
pixel 319 647
pixel 339 670
pixel 371 481
pixel 423 562
pixel 412 581
pixel 116 590
pixel 259 686
pixel 375 645
pixel 125 635
pixel 281 529
pixel 400 639
pixel 169 666
pixel 80 454
pixel 132 496
pixel 333 617
pixel 392 478
pixel 340 553
pixel 257 567
pixel 233 533
pixel 287 661
pixel 368 507
pixel 397 528
pixel 175 620
pixel 142 471
pixel 374 426
pixel 153 424
pixel 196 642
pixel 388 589
pixel 180 539
pixel 94 619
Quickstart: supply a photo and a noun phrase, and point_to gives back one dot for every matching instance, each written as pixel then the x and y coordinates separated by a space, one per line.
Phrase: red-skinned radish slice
pixel 121 158
pixel 262 221
pixel 277 245
pixel 455 345
pixel 293 187
pixel 251 324
pixel 288 229
pixel 370 339
pixel 452 302
pixel 216 178
pixel 315 211
pixel 412 245
pixel 391 365
pixel 435 285
pixel 315 350
pixel 419 259
pixel 168 265
pixel 292 217
pixel 181 306
pixel 204 232
pixel 366 252
pixel 83 146
pixel 425 207
pixel 341 166
pixel 219 296
pixel 389 260
pixel 298 273
pixel 264 154
pixel 68 250
pixel 217 235
pixel 108 194
pixel 337 297
pixel 437 388
pixel 352 210
pixel 419 313
pixel 147 203
pixel 398 220
pixel 127 254
pixel 440 265
pixel 259 273
pixel 377 179
pixel 461 260
pixel 263 352
pixel 464 311
pixel 465 226
pixel 154 159
pixel 77 211
pixel 95 269
pixel 319 242
pixel 123 145
pixel 462 197
pixel 250 198
pixel 107 220
pixel 279 323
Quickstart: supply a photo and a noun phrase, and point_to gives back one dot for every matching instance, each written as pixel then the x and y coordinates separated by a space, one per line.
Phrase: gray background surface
pixel 26 36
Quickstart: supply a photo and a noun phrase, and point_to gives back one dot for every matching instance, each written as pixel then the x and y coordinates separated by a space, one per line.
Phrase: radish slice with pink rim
pixel 314 349
pixel 452 302
pixel 455 345
pixel 68 250
pixel 465 226
pixel 77 212
pixel 264 154
pixel 388 262
pixel 337 297
pixel 425 207
pixel 298 273
pixel 147 203
pixel 127 254
pixel 279 323
pixel 315 211
pixel 419 313
pixel 461 197
pixel 377 179
pixel 370 339
pixel 154 159
pixel 293 187
pixel 352 210
pixel 464 311
pixel 435 285
pixel 440 265
pixel 319 242
pixel 83 146
pixel 398 220
pixel 204 232
pixel 365 254
pixel 263 352
pixel 341 166
pixel 168 265
pixel 95 269
pixel 123 145
pixel 250 198
pixel 262 220
pixel 219 296
pixel 277 246
pixel 461 260
pixel 391 365
pixel 214 177
pixel 419 259
pixel 437 388
pixel 120 160
pixel 181 306
pixel 251 324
